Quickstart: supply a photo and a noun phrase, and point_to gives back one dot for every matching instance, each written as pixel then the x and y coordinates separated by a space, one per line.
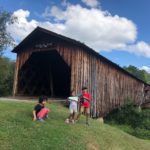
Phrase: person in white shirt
pixel 72 107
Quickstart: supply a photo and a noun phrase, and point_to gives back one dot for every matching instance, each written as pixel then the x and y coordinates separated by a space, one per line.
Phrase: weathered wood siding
pixel 21 59
pixel 109 86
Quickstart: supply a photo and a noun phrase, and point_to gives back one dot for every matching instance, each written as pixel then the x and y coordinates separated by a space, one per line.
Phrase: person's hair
pixel 84 88
pixel 42 98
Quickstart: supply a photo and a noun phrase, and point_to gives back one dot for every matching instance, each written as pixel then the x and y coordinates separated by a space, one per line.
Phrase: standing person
pixel 40 112
pixel 85 100
pixel 73 100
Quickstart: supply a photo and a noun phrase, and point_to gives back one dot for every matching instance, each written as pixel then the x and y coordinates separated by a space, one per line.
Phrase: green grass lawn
pixel 19 132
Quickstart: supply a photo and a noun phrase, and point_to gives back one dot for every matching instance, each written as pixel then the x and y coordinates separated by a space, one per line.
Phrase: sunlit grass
pixel 19 132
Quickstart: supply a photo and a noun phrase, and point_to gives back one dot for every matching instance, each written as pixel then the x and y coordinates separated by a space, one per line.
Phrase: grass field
pixel 19 132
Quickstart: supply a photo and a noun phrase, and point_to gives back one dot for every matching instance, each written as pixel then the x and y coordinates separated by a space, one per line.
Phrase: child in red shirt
pixel 85 100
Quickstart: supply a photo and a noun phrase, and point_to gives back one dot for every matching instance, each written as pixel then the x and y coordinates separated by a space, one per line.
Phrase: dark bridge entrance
pixel 45 73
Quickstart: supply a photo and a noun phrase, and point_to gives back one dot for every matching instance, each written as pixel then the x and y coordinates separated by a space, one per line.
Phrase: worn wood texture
pixel 109 86
pixel 21 59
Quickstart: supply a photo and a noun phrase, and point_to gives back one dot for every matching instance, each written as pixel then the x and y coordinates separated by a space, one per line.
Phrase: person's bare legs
pixel 73 117
pixel 87 111
pixel 70 117
pixel 80 112
pixel 78 116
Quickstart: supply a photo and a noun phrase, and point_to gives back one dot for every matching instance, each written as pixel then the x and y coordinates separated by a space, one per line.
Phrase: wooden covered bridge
pixel 51 64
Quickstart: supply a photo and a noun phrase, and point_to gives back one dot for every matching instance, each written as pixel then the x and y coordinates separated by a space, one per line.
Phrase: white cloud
pixel 92 26
pixel 96 28
pixel 46 12
pixel 91 3
pixel 22 27
pixel 140 48
pixel 146 68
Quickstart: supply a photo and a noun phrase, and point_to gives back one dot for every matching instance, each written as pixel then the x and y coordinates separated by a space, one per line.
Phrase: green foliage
pixel 6 76
pixel 141 74
pixel 5 38
pixel 19 132
pixel 137 122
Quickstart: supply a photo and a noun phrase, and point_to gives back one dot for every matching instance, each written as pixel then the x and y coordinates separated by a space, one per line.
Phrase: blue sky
pixel 118 29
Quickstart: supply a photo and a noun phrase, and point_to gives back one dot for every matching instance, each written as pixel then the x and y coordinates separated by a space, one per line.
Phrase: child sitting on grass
pixel 72 107
pixel 40 112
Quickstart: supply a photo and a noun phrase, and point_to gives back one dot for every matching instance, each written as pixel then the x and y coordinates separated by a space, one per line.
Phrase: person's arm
pixel 88 98
pixel 34 115
pixel 67 100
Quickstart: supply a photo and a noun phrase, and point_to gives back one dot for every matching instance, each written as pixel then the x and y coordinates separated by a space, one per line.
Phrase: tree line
pixel 141 74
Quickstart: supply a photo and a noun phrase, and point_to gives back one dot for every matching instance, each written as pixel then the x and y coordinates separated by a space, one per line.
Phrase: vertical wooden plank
pixel 15 85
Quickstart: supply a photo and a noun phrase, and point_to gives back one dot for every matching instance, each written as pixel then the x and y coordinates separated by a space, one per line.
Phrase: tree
pixel 141 74
pixel 6 65
pixel 7 68
pixel 5 38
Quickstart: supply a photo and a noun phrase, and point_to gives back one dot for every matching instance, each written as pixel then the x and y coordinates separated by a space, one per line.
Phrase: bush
pixel 123 115
pixel 129 116
pixel 141 133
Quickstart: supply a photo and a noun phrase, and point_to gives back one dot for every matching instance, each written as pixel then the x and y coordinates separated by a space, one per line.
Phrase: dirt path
pixel 13 99
pixel 28 99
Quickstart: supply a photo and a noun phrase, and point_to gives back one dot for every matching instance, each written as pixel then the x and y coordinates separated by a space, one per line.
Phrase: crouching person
pixel 40 112
pixel 73 103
